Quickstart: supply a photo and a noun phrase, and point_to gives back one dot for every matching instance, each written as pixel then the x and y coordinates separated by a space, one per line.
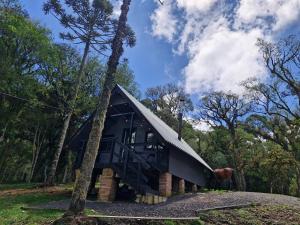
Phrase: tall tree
pixel 278 98
pixel 23 45
pixel 81 187
pixel 165 100
pixel 88 24
pixel 221 109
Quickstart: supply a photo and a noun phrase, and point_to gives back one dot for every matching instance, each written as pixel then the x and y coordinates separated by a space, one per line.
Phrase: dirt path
pixel 188 205
pixel 50 190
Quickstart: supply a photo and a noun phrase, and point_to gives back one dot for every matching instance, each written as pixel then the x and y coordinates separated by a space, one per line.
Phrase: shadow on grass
pixel 11 211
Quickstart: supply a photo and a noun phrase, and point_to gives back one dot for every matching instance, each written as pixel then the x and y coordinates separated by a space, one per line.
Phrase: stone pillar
pixel 181 186
pixel 108 186
pixel 194 188
pixel 165 184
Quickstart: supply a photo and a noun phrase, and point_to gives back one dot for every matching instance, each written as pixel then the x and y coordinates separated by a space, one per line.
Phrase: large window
pixel 150 140
pixel 128 138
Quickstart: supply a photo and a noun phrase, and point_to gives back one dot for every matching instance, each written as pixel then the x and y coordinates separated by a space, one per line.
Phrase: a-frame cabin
pixel 140 150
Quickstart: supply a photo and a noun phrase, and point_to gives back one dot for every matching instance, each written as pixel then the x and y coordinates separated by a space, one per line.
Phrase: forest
pixel 49 88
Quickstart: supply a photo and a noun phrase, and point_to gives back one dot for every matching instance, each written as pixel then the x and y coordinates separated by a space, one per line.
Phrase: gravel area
pixel 186 205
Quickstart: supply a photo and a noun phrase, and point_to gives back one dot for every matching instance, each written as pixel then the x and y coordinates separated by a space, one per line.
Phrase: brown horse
pixel 224 175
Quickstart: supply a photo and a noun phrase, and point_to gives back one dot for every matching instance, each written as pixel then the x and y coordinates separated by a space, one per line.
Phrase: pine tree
pixel 89 24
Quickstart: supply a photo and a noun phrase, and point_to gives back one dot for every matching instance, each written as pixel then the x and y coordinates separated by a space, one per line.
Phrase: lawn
pixel 11 211
pixel 18 186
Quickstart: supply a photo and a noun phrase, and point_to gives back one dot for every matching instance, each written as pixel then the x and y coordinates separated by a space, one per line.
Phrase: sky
pixel 204 45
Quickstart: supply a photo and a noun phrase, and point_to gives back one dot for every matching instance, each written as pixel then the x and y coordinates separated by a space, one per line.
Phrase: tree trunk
pixel 271 187
pixel 237 162
pixel 298 182
pixel 3 175
pixel 67 168
pixel 3 133
pixel 54 163
pixel 81 187
pixel 45 173
pixel 35 153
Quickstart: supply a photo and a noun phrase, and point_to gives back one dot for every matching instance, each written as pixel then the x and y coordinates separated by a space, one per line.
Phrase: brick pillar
pixel 165 184
pixel 108 186
pixel 194 188
pixel 181 186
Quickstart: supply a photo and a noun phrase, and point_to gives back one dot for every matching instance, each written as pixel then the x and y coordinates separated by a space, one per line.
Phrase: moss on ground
pixel 259 215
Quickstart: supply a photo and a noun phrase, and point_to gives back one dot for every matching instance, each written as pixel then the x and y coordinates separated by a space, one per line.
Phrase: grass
pixel 12 214
pixel 4 187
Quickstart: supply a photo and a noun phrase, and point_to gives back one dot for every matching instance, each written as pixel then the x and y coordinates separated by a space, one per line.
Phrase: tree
pixel 221 109
pixel 278 115
pixel 164 101
pixel 125 77
pixel 88 24
pixel 12 5
pixel 23 45
pixel 81 187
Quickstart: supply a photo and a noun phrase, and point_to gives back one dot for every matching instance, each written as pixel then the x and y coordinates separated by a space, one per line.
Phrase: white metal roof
pixel 167 133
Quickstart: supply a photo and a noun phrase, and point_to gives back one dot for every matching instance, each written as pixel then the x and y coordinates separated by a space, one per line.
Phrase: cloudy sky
pixel 202 44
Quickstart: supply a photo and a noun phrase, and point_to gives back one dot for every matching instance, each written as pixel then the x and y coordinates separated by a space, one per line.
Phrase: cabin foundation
pixel 108 186
pixel 181 186
pixel 165 184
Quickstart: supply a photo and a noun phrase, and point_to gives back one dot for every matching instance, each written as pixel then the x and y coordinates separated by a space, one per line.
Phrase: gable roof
pixel 167 133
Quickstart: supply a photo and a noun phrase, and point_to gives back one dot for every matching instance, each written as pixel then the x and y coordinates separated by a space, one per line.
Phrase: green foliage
pixel 43 74
pixel 17 186
pixel 197 222
pixel 170 222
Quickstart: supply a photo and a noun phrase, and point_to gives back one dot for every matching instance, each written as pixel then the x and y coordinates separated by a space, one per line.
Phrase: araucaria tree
pixel 81 186
pixel 87 23
pixel 225 110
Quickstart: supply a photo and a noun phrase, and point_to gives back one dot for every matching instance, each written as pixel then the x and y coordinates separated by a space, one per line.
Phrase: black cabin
pixel 138 149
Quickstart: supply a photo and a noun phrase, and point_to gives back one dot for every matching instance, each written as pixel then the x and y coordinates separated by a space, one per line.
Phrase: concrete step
pixel 150 199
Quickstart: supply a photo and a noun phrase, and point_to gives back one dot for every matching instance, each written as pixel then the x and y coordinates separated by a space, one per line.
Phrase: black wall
pixel 186 167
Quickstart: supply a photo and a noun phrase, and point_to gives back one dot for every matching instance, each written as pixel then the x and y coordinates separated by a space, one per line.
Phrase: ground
pixel 256 209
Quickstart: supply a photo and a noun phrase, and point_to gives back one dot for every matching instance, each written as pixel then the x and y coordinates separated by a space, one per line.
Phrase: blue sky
pixel 151 59
pixel 204 45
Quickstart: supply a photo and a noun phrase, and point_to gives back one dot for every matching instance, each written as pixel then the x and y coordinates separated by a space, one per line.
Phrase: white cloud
pixel 195 6
pixel 222 59
pixel 164 22
pixel 117 8
pixel 201 125
pixel 282 11
pixel 220 39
